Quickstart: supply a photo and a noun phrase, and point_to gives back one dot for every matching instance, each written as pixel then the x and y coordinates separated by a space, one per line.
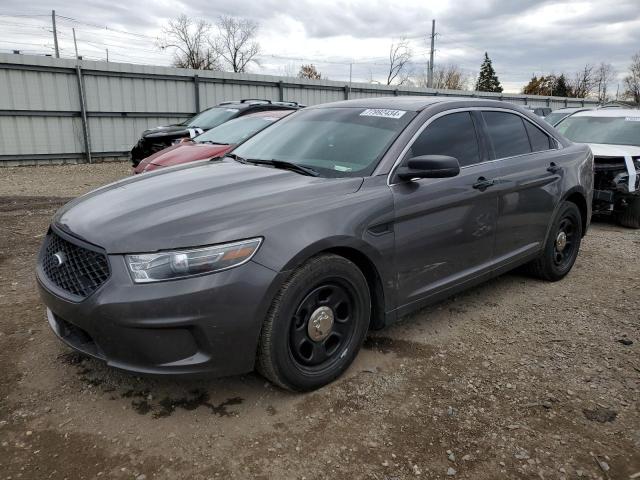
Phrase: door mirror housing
pixel 429 166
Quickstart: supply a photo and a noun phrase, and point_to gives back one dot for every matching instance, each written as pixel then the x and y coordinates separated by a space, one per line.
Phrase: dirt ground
pixel 515 379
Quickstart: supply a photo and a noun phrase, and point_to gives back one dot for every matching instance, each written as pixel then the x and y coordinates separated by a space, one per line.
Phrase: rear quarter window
pixel 540 141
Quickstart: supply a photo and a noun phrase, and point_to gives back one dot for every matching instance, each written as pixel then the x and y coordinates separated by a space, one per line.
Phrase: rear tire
pixel 562 245
pixel 630 216
pixel 316 324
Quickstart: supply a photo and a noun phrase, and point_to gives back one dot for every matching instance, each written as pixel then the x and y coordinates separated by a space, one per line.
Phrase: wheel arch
pixel 368 260
pixel 578 197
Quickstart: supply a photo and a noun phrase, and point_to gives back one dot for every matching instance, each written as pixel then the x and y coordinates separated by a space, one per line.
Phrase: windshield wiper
pixel 211 142
pixel 285 165
pixel 236 157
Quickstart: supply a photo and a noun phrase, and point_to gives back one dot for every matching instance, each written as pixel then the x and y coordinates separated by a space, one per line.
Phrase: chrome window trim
pixel 468 109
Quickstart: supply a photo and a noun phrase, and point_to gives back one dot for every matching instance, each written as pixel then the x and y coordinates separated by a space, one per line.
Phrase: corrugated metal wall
pixel 41 114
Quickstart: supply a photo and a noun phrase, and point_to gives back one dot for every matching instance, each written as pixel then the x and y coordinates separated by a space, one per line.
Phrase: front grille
pixel 76 270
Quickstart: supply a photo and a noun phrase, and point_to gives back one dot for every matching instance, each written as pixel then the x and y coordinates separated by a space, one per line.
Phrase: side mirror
pixel 429 166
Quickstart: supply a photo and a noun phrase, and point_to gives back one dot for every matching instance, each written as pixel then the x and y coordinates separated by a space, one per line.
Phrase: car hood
pixel 182 153
pixel 197 204
pixel 167 130
pixel 187 153
pixel 606 150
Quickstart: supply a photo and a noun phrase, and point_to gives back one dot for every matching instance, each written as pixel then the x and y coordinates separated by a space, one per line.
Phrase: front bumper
pixel 208 324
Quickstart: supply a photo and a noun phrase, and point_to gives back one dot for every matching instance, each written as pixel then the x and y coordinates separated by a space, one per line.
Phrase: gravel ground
pixel 515 379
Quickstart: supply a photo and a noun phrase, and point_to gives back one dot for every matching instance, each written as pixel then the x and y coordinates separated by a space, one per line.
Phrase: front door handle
pixel 553 168
pixel 482 184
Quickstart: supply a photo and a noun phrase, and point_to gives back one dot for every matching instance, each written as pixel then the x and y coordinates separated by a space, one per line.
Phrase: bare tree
pixel 399 58
pixel 632 81
pixel 603 76
pixel 584 82
pixel 189 40
pixel 236 42
pixel 309 71
pixel 447 77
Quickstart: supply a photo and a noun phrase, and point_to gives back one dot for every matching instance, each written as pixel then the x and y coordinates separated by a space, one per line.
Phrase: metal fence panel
pixel 42 119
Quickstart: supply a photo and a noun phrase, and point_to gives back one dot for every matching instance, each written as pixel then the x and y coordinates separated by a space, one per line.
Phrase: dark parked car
pixel 159 138
pixel 336 220
pixel 213 143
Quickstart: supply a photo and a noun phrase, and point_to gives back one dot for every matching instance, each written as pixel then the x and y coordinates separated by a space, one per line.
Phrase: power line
pixel 104 27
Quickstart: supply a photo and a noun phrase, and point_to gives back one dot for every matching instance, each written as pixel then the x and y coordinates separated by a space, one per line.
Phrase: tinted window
pixel 507 134
pixel 539 140
pixel 453 135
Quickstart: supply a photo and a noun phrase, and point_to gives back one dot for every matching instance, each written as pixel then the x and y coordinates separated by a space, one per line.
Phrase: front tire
pixel 630 216
pixel 316 324
pixel 562 246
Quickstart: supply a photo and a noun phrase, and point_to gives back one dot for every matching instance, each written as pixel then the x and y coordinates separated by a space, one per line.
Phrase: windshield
pixel 235 131
pixel 611 130
pixel 212 117
pixel 336 142
pixel 554 118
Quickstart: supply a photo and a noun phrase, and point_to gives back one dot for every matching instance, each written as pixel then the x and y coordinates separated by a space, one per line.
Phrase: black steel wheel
pixel 323 324
pixel 562 245
pixel 316 324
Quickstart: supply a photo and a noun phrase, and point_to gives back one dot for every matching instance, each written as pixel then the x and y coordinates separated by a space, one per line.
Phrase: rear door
pixel 444 228
pixel 529 186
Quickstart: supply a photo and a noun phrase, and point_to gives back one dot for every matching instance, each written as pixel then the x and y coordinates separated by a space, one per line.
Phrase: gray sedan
pixel 338 219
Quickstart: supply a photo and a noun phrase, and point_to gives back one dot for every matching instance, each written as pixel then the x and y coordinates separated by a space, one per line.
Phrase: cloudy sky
pixel 522 37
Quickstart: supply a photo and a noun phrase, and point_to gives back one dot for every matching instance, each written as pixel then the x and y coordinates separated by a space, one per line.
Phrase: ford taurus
pixel 338 219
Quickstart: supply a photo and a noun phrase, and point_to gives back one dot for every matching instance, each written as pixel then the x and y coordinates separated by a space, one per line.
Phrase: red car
pixel 213 143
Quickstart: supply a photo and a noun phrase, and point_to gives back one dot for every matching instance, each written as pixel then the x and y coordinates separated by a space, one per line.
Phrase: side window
pixel 453 135
pixel 540 141
pixel 507 133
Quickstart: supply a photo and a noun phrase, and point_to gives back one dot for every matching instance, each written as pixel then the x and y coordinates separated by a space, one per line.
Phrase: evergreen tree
pixel 561 89
pixel 488 80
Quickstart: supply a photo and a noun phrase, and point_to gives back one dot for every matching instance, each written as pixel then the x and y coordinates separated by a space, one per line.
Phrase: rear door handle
pixel 553 168
pixel 482 184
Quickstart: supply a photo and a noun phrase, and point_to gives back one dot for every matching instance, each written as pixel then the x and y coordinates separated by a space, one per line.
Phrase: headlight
pixel 156 267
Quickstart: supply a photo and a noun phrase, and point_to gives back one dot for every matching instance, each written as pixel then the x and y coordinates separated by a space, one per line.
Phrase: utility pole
pixel 433 38
pixel 75 44
pixel 107 50
pixel 55 33
pixel 350 77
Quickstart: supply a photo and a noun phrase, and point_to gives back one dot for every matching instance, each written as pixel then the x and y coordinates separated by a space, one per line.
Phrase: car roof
pixel 258 103
pixel 570 109
pixel 414 103
pixel 609 112
pixel 270 113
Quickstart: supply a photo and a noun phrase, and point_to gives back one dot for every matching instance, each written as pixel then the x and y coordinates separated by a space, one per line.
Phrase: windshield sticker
pixel 632 119
pixel 383 112
pixel 340 168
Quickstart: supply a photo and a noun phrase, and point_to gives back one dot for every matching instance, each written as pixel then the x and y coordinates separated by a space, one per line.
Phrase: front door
pixel 445 228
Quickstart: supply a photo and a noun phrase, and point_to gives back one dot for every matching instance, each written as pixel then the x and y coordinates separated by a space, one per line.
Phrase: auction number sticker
pixel 632 119
pixel 383 112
